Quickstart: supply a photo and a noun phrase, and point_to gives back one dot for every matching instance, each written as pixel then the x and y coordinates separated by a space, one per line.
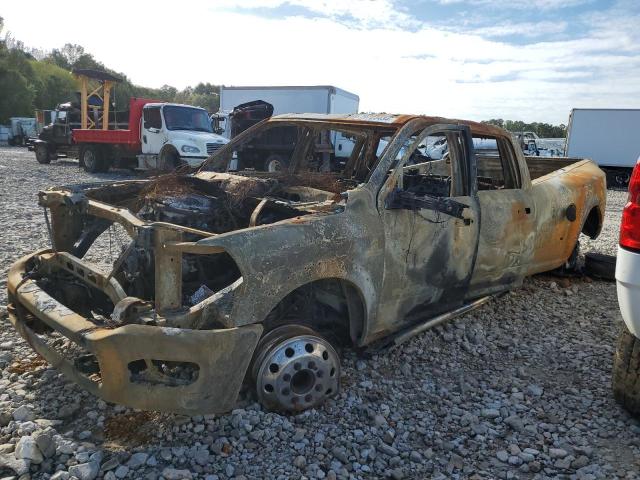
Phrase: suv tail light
pixel 630 226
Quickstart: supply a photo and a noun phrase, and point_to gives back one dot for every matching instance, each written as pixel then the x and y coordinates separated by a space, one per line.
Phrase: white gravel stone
pixel 27 449
pixel 23 414
pixel 557 453
pixel 85 471
pixel 18 465
pixel 61 475
pixel 176 474
pixel 536 360
pixel 121 471
pixel 137 460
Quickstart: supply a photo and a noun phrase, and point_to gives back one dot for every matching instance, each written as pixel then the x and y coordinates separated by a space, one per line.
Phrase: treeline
pixel 33 79
pixel 543 130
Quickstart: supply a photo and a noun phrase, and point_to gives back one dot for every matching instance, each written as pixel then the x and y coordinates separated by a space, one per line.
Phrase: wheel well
pixel 593 223
pixel 168 146
pixel 334 307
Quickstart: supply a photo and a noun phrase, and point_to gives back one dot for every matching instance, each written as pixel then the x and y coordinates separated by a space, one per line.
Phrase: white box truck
pixel 299 99
pixel 608 136
pixel 242 107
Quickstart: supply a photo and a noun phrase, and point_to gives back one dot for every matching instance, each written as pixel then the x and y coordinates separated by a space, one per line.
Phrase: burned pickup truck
pixel 232 279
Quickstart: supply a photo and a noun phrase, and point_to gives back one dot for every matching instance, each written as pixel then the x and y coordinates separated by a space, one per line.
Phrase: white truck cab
pixel 174 134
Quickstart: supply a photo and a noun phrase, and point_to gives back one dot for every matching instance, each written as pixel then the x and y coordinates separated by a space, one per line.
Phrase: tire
pixel 168 159
pixel 571 267
pixel 618 178
pixel 92 159
pixel 622 178
pixel 276 163
pixel 294 368
pixel 43 155
pixel 600 266
pixel 626 372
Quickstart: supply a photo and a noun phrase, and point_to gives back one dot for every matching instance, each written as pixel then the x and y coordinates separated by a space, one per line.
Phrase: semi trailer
pixel 609 136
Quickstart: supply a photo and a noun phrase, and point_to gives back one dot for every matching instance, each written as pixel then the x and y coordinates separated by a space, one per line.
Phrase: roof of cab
pixel 389 120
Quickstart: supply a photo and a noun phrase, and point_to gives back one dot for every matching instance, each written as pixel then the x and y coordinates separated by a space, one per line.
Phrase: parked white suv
pixel 626 365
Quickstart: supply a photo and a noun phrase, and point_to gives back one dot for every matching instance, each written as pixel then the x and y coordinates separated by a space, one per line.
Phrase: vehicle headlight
pixel 190 149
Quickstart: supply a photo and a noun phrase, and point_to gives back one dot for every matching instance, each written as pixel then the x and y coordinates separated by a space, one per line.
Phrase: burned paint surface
pixel 215 258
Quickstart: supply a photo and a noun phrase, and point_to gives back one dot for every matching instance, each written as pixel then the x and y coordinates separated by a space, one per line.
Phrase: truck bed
pixel 541 166
pixel 124 137
pixel 489 166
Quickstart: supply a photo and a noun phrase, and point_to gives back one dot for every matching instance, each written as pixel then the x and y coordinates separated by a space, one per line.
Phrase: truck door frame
pixel 507 233
pixel 150 139
pixel 440 277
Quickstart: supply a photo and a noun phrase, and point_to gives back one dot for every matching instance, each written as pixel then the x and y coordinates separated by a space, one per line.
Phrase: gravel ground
pixel 517 389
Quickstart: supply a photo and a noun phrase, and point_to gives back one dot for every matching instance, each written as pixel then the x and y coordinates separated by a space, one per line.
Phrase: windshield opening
pixel 343 151
pixel 186 118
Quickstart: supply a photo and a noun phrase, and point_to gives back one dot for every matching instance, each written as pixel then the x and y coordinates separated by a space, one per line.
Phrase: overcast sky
pixel 475 59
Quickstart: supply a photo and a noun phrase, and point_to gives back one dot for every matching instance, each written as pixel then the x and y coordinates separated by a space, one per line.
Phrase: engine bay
pixel 205 204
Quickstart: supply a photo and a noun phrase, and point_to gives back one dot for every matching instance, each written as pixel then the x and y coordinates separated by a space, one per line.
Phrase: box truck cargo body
pixel 610 137
pixel 242 107
pixel 313 99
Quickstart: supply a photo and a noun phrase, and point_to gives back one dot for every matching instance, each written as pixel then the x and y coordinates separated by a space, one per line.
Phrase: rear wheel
pixel 626 372
pixel 275 163
pixel 43 155
pixel 618 178
pixel 92 159
pixel 294 369
pixel 622 178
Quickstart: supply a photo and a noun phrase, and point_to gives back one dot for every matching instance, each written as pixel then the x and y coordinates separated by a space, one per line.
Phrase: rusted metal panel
pixel 168 271
pixel 214 255
pixel 221 355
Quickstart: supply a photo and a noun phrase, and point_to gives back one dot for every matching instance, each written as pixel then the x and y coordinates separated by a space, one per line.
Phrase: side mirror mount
pixel 403 200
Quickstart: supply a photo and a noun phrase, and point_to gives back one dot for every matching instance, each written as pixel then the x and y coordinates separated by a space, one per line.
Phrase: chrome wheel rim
pixel 296 373
pixel 623 178
pixel 274 166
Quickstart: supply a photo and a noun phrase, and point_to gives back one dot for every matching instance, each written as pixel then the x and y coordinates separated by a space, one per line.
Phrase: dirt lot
pixel 517 389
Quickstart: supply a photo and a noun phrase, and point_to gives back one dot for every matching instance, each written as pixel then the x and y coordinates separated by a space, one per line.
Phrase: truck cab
pixel 173 134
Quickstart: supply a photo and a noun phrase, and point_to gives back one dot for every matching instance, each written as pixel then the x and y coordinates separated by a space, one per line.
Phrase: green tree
pixel 543 130
pixel 17 93
pixel 52 85
pixel 31 78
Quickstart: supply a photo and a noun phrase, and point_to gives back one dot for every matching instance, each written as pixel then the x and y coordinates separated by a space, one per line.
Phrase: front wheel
pixel 169 159
pixel 626 372
pixel 43 155
pixel 294 369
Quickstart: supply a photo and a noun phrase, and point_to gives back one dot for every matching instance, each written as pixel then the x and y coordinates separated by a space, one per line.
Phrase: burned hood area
pixel 200 206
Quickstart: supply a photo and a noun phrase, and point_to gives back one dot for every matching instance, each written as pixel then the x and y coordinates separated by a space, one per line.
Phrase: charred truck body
pixel 254 277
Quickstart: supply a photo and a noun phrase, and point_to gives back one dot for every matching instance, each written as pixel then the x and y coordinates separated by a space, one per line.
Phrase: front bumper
pixel 222 356
pixel 628 286
pixel 192 161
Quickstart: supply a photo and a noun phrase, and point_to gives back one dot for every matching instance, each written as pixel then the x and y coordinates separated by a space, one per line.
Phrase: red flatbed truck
pixel 159 136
